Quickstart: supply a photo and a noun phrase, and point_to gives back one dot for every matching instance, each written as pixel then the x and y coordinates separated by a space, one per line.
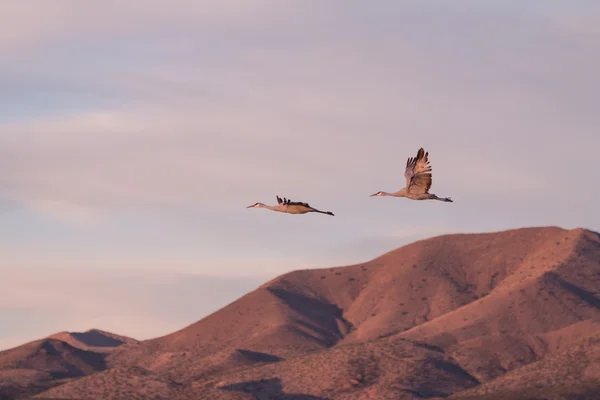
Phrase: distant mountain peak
pixel 93 339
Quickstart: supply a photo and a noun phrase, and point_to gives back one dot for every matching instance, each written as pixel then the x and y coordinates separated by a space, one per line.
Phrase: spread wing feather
pixel 418 173
pixel 289 202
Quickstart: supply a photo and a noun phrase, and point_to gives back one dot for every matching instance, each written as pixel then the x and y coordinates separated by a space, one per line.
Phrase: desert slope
pixel 548 302
pixel 434 318
pixel 59 358
pixel 574 370
pixel 492 302
pixel 42 364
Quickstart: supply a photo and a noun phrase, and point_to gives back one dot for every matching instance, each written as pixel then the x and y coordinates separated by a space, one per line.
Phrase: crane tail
pixel 324 212
pixel 444 199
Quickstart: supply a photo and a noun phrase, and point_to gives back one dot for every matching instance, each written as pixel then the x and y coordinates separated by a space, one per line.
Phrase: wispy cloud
pixel 194 126
pixel 25 27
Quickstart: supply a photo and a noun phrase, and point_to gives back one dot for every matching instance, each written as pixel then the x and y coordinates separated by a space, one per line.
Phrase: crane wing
pixel 418 173
pixel 298 203
pixel 289 202
pixel 420 184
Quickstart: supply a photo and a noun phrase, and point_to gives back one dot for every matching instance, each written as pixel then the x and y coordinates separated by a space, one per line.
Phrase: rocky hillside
pixel 464 315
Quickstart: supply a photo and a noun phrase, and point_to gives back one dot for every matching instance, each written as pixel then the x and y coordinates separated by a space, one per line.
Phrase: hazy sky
pixel 134 134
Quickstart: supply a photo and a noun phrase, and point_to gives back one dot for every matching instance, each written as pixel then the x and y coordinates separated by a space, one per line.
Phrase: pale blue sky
pixel 134 134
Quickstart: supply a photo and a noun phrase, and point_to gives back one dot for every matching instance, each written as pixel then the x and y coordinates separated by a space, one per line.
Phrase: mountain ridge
pixel 93 339
pixel 464 308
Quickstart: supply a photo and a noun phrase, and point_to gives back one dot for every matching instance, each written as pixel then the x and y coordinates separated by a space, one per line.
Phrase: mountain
pixel 450 315
pixel 572 372
pixel 94 340
pixel 42 364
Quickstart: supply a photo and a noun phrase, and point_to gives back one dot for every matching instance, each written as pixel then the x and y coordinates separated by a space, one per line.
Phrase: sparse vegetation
pixel 433 335
pixel 582 391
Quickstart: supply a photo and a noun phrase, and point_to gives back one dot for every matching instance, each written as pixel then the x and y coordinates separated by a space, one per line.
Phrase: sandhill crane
pixel 291 207
pixel 418 180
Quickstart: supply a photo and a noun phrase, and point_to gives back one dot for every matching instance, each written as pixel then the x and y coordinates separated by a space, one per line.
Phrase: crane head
pixel 255 205
pixel 377 194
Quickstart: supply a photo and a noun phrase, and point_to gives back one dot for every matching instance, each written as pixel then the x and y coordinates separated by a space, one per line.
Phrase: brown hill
pixel 93 340
pixel 390 368
pixel 572 373
pixel 124 383
pixel 41 364
pixel 429 319
pixel 369 369
pixel 525 270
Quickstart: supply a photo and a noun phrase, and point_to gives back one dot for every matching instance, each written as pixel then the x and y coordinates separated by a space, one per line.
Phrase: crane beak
pixel 250 206
pixel 374 194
